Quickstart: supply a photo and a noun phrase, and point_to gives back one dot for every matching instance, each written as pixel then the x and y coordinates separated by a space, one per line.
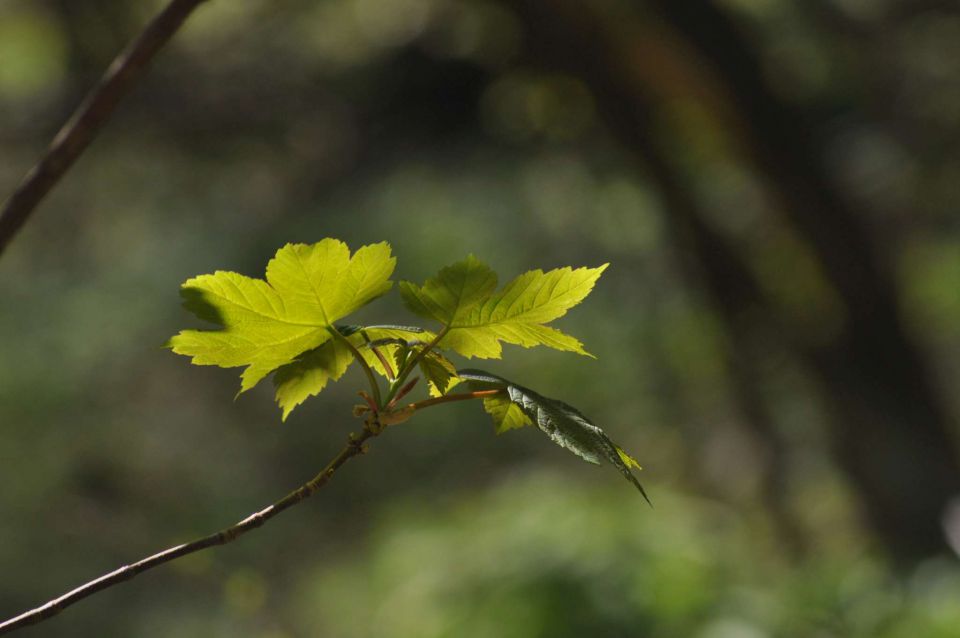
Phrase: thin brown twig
pixel 83 125
pixel 354 447
pixel 391 375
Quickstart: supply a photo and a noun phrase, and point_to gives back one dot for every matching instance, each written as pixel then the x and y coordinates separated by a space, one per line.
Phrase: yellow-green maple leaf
pixel 477 319
pixel 298 381
pixel 267 323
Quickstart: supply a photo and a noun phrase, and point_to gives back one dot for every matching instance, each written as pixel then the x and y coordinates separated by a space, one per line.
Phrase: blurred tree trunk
pixel 891 432
pixel 894 434
pixel 558 37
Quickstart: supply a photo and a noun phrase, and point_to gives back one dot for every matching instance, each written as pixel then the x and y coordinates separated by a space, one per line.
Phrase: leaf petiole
pixel 372 380
pixel 383 360
pixel 460 396
pixel 403 392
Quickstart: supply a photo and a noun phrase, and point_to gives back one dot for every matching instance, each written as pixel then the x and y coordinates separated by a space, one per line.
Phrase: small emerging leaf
pixel 439 372
pixel 506 414
pixel 306 376
pixel 565 425
pixel 628 460
pixel 390 341
pixel 477 319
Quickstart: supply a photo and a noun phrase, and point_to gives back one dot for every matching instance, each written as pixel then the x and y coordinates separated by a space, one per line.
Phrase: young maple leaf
pixel 306 376
pixel 477 319
pixel 268 323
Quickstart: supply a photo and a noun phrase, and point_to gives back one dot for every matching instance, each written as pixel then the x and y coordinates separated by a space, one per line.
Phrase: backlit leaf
pixel 453 293
pixel 308 375
pixel 268 323
pixel 477 319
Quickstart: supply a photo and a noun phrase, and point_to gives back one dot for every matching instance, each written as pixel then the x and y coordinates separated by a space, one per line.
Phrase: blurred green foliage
pixel 542 555
pixel 422 121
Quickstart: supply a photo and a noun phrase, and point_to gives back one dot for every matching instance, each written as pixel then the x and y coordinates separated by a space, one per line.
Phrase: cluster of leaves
pixel 288 325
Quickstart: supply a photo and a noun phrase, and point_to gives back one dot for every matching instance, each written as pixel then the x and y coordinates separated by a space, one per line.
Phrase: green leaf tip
pixel 477 319
pixel 562 423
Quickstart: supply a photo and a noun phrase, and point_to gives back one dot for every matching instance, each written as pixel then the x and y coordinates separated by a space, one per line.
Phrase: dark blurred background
pixel 775 184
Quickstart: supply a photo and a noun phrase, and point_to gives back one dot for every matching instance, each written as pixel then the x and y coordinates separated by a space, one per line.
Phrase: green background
pixel 441 127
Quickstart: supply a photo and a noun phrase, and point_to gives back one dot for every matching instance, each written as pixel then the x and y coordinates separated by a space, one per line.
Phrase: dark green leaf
pixel 565 425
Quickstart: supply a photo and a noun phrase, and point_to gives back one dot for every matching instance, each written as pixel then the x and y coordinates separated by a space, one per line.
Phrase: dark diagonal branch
pixel 86 121
pixel 354 447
